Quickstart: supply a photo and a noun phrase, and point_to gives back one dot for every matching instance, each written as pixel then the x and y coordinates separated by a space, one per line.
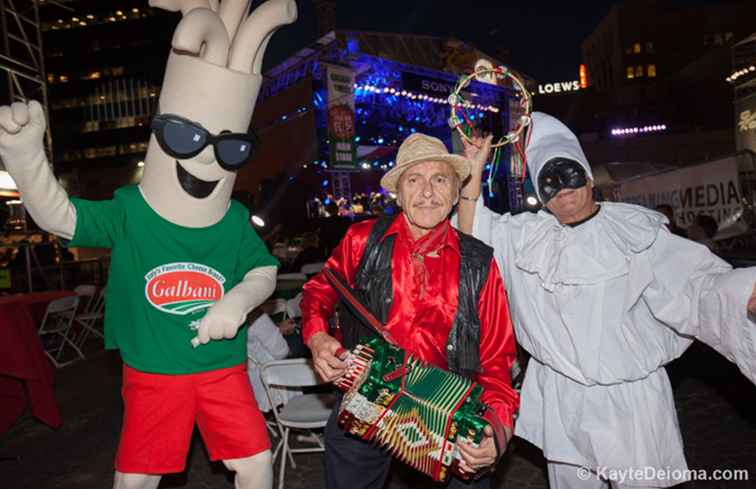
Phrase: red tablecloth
pixel 26 374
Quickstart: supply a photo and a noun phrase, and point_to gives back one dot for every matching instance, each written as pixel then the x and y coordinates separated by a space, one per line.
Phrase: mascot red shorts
pixel 160 412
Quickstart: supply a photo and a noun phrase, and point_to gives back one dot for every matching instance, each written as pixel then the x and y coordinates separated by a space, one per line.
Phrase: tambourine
pixel 459 118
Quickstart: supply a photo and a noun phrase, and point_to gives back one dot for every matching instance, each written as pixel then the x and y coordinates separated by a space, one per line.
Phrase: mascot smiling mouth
pixel 199 189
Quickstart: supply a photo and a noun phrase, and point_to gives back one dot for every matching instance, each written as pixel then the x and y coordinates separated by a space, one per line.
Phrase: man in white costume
pixel 186 266
pixel 603 296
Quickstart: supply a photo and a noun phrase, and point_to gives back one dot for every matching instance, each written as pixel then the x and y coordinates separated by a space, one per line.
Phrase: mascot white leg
pixel 255 472
pixel 135 481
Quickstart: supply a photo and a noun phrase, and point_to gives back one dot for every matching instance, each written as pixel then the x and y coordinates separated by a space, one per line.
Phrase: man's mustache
pixel 428 203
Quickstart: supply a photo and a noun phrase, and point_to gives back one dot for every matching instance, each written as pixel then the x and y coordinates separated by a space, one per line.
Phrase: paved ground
pixel 715 406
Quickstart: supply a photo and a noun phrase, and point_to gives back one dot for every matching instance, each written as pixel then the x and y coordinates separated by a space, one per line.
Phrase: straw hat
pixel 419 148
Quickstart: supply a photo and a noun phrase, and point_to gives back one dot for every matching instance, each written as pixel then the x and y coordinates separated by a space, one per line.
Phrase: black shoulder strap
pixel 380 226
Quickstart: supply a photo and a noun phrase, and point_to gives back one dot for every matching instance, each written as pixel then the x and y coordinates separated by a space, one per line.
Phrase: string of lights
pixel 420 96
pixel 632 131
pixel 741 73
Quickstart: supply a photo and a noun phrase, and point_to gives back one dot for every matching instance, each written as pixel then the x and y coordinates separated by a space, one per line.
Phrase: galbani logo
pixel 183 288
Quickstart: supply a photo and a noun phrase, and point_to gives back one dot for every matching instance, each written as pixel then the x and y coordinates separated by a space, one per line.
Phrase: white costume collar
pixel 595 251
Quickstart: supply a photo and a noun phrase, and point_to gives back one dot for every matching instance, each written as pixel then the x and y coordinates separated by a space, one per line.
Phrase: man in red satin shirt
pixel 440 296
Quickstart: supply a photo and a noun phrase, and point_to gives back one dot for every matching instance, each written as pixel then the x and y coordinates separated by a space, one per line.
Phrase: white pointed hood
pixel 551 139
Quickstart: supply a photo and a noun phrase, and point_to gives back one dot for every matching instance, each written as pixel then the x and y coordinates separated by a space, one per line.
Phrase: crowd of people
pixel 360 204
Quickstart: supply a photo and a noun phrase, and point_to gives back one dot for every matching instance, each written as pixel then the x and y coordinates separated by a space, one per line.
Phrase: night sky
pixel 542 37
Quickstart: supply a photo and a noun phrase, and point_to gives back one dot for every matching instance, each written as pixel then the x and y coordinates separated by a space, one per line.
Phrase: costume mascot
pixel 186 266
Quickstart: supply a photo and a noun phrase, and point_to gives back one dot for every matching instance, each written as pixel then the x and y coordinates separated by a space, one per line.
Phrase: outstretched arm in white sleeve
pixel 472 216
pixel 22 132
pixel 698 294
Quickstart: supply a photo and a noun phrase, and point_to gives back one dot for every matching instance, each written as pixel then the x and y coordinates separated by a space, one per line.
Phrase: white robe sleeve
pixel 485 222
pixel 494 230
pixel 698 294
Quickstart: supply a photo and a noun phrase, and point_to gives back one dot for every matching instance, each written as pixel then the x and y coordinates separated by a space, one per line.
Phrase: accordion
pixel 413 409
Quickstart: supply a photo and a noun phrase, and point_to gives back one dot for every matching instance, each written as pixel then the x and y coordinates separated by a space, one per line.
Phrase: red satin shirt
pixel 420 323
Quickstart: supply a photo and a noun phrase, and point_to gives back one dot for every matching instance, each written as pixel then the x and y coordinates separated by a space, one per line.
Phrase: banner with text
pixel 710 188
pixel 341 126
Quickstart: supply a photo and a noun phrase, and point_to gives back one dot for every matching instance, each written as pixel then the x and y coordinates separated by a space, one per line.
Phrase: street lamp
pixel 258 221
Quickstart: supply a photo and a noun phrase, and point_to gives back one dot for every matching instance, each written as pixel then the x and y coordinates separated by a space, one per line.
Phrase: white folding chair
pixel 303 412
pixel 92 312
pixel 56 325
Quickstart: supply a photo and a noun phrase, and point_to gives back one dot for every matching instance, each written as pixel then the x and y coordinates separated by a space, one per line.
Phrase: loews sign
pixel 559 87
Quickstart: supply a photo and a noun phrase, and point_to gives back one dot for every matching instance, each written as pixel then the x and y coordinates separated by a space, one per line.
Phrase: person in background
pixel 667 210
pixel 358 204
pixel 703 230
pixel 311 252
pixel 272 236
pixel 45 252
pixel 265 343
pixel 332 228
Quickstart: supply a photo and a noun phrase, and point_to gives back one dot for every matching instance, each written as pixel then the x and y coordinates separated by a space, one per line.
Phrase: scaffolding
pixel 22 64
pixel 22 69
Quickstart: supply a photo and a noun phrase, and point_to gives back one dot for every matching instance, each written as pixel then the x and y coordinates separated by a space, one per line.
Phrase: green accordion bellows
pixel 411 408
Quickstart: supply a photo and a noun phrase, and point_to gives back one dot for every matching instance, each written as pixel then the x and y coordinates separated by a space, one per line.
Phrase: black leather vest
pixel 374 289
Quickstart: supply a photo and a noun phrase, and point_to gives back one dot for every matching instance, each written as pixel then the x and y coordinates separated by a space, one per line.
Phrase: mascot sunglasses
pixel 182 138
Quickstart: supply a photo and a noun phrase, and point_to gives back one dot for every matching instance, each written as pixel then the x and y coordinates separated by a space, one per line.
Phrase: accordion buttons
pixel 449 347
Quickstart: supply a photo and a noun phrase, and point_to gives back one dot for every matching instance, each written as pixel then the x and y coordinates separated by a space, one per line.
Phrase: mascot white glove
pixel 22 149
pixel 225 317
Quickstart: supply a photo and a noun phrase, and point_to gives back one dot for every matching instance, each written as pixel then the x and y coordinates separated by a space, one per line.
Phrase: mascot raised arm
pixel 186 266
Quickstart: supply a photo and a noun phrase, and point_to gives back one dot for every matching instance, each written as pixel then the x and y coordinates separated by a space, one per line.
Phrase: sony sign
pixel 559 87
pixel 436 87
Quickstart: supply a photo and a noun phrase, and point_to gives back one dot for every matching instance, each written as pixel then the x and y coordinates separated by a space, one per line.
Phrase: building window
pixel 629 50
pixel 102 152
pixel 649 47
pixel 638 71
pixel 630 74
pixel 113 71
pixel 637 48
pixel 651 71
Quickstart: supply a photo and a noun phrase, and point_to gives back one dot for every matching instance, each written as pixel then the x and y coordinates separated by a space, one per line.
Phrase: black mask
pixel 558 174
